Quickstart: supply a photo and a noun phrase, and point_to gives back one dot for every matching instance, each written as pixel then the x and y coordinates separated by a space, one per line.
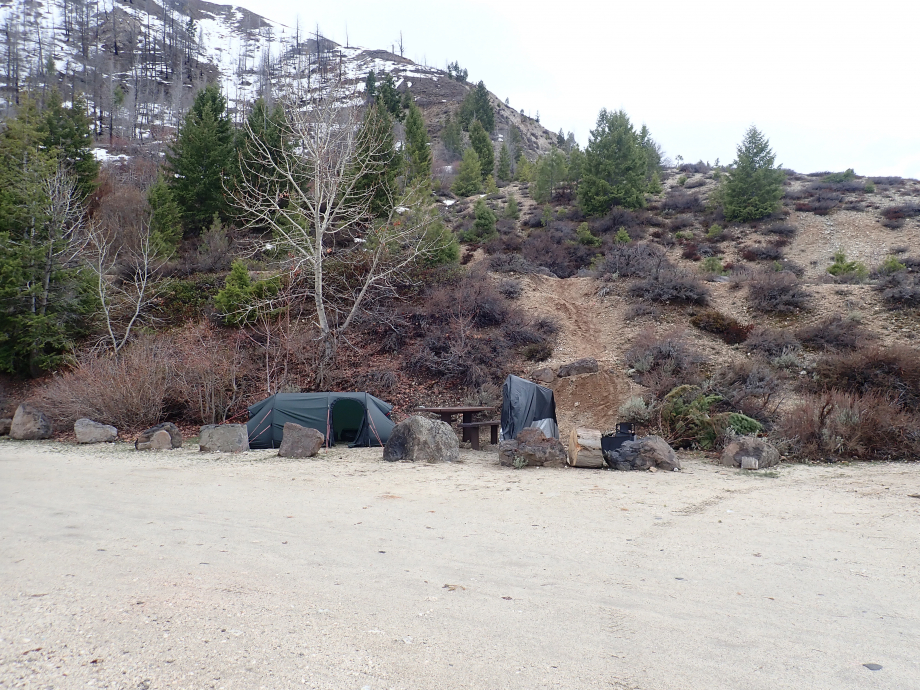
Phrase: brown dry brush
pixel 196 374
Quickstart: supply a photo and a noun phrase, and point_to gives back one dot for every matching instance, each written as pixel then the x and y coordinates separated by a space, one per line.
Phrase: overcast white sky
pixel 833 84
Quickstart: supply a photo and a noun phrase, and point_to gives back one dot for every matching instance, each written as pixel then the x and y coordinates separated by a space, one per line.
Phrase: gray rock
pixel 88 431
pixel 223 438
pixel 300 441
pixel 534 448
pixel 29 424
pixel 145 439
pixel 5 425
pixel 749 453
pixel 419 439
pixel 543 375
pixel 587 365
pixel 644 453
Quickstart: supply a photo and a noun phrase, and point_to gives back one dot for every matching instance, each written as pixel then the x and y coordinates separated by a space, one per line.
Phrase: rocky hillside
pixel 138 64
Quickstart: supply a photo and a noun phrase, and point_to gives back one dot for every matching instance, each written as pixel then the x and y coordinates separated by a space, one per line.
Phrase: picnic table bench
pixel 473 431
pixel 469 429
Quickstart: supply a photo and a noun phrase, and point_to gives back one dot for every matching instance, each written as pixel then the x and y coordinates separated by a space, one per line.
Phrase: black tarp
pixel 524 402
pixel 343 423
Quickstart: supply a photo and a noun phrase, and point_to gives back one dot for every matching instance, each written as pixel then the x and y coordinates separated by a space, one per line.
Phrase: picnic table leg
pixel 474 438
pixel 494 436
pixel 468 433
pixel 446 418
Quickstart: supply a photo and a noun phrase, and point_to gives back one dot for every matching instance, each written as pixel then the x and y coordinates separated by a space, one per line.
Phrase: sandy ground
pixel 181 570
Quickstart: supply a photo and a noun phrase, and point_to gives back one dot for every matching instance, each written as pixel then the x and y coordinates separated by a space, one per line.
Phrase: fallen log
pixel 585 448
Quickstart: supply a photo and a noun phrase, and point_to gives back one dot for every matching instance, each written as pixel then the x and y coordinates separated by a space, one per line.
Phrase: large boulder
pixel 419 439
pixel 29 424
pixel 300 441
pixel 224 438
pixel 587 365
pixel 643 454
pixel 532 448
pixel 749 453
pixel 543 375
pixel 5 425
pixel 88 431
pixel 145 440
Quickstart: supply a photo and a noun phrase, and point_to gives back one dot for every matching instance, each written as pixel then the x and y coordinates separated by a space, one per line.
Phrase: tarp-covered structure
pixel 358 419
pixel 525 404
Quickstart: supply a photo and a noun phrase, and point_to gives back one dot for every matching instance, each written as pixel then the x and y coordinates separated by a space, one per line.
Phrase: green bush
pixel 583 233
pixel 891 265
pixel 682 180
pixel 241 299
pixel 743 425
pixel 622 237
pixel 715 231
pixel 712 265
pixel 483 228
pixel 512 210
pixel 842 267
pixel 847 176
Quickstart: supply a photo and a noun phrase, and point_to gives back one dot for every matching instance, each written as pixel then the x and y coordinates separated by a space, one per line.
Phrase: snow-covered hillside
pixel 138 63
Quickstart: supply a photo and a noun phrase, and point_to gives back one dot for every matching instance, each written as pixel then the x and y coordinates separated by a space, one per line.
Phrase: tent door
pixel 347 420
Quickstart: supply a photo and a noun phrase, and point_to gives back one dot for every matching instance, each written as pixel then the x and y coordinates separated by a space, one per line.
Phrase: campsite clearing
pixel 183 569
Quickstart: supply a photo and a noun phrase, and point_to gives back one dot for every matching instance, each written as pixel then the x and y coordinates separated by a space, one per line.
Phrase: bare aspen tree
pixel 124 281
pixel 323 188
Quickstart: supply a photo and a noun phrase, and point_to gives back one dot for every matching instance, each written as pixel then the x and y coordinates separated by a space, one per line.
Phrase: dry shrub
pixel 781 229
pixel 664 361
pixel 680 201
pixel 555 250
pixel 695 182
pixel 760 253
pixel 834 333
pixel 750 387
pixel 628 260
pixel 728 328
pixel 680 222
pixel 910 209
pixel 637 311
pixel 777 291
pixel 128 391
pixel 892 371
pixel 468 333
pixel 836 425
pixel 615 219
pixel 900 290
pixel 771 342
pixel 671 286
pixel 211 373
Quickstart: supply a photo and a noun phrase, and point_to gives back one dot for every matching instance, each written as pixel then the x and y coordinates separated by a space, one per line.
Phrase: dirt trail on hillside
pixel 589 327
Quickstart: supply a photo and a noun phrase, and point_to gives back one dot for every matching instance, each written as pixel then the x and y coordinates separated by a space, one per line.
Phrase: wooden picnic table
pixel 447 414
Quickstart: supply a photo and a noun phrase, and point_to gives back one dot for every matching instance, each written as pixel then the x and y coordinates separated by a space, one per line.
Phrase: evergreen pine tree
pixel 524 171
pixel 653 160
pixel 263 136
pixel 165 218
pixel 511 208
pixel 388 97
pixel 452 137
pixel 67 132
pixel 482 144
pixel 385 165
pixel 469 177
pixel 418 149
pixel 504 163
pixel 614 168
pixel 202 160
pixel 484 225
pixel 46 300
pixel 370 86
pixel 477 106
pixel 754 186
pixel 549 174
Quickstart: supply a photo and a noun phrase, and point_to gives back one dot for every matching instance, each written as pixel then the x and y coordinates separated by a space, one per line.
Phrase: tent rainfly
pixel 358 419
pixel 525 404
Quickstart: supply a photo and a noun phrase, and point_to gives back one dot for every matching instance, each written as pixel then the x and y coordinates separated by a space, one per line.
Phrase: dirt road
pixel 178 570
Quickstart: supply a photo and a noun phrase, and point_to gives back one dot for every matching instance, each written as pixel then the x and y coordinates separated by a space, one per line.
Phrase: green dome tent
pixel 358 419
